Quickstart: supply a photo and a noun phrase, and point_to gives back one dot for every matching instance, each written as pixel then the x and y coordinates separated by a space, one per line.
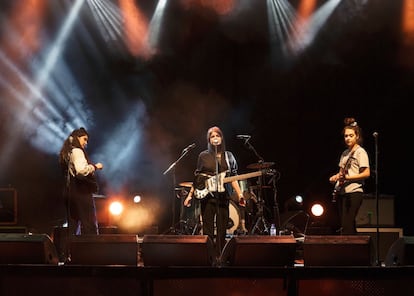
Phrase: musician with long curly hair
pixel 80 183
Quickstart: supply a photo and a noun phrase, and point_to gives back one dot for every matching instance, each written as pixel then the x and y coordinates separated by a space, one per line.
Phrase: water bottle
pixel 272 230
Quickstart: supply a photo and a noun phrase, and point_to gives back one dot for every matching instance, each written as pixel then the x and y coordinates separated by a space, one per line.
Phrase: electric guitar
pixel 341 181
pixel 216 182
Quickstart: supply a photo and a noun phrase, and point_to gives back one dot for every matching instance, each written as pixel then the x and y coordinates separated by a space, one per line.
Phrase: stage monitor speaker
pixel 337 250
pixel 177 250
pixel 386 236
pixel 401 252
pixel 254 250
pixel 20 248
pixel 104 249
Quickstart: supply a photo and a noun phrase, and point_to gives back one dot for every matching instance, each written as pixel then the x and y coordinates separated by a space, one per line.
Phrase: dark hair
pixel 71 142
pixel 351 123
pixel 222 146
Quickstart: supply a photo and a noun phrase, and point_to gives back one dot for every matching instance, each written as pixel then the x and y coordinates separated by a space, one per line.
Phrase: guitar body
pixel 338 186
pixel 340 183
pixel 208 184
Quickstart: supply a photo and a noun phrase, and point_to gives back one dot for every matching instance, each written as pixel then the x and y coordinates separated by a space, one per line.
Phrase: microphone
pixel 375 134
pixel 215 142
pixel 243 137
pixel 189 147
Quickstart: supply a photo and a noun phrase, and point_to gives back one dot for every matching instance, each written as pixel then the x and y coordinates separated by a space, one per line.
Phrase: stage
pixel 184 265
pixel 129 280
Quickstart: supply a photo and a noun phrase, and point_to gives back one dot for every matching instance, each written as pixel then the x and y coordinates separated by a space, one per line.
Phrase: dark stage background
pixel 213 65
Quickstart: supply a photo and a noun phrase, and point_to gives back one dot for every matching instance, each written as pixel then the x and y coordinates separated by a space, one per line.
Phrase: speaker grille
pixel 177 250
pixel 260 251
pixel 18 248
pixel 104 249
pixel 331 250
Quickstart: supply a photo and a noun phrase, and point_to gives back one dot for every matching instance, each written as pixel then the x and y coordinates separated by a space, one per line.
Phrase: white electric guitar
pixel 216 183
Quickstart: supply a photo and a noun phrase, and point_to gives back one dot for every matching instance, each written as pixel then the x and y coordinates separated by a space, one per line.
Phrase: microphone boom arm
pixel 250 147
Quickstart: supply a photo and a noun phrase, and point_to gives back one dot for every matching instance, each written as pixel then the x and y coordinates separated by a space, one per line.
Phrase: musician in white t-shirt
pixel 349 181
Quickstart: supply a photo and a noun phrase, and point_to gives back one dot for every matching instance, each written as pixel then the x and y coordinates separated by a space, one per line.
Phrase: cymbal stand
pixel 276 212
pixel 260 220
pixel 261 224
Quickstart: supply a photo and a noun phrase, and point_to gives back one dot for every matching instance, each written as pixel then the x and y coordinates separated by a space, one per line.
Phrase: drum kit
pixel 253 213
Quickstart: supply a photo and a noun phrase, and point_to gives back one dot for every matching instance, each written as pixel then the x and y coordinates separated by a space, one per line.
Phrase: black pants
pixel 348 210
pixel 216 209
pixel 82 217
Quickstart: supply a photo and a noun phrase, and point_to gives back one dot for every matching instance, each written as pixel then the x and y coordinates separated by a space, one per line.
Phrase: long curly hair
pixel 70 143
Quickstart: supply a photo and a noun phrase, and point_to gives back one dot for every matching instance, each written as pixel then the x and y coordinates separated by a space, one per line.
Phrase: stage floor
pixel 181 265
pixel 233 281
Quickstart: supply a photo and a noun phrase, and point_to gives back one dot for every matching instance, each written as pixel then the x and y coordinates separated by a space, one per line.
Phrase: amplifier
pixel 8 206
pixel 367 214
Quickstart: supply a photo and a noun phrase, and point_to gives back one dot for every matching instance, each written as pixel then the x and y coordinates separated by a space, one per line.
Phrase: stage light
pixel 116 208
pixel 137 198
pixel 295 203
pixel 293 31
pixel 299 199
pixel 317 210
pixel 294 219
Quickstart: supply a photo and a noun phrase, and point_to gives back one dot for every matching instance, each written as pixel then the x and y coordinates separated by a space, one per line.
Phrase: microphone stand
pixel 250 147
pixel 218 235
pixel 172 167
pixel 375 134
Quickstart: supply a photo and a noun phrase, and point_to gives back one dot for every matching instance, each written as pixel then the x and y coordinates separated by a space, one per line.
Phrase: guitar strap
pixel 229 170
pixel 226 155
pixel 348 161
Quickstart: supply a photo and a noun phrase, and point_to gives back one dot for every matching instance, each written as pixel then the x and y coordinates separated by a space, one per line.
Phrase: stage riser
pixel 126 282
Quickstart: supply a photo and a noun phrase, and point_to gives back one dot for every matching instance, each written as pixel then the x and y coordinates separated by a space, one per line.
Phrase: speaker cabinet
pixel 259 251
pixel 8 206
pixel 332 250
pixel 367 213
pixel 401 252
pixel 177 250
pixel 19 248
pixel 386 237
pixel 104 249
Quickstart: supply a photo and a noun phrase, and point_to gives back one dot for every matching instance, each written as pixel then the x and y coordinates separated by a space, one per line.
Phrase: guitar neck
pixel 242 177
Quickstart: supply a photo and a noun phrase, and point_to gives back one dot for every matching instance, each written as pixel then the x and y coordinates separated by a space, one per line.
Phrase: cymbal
pixel 98 196
pixel 186 184
pixel 260 165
